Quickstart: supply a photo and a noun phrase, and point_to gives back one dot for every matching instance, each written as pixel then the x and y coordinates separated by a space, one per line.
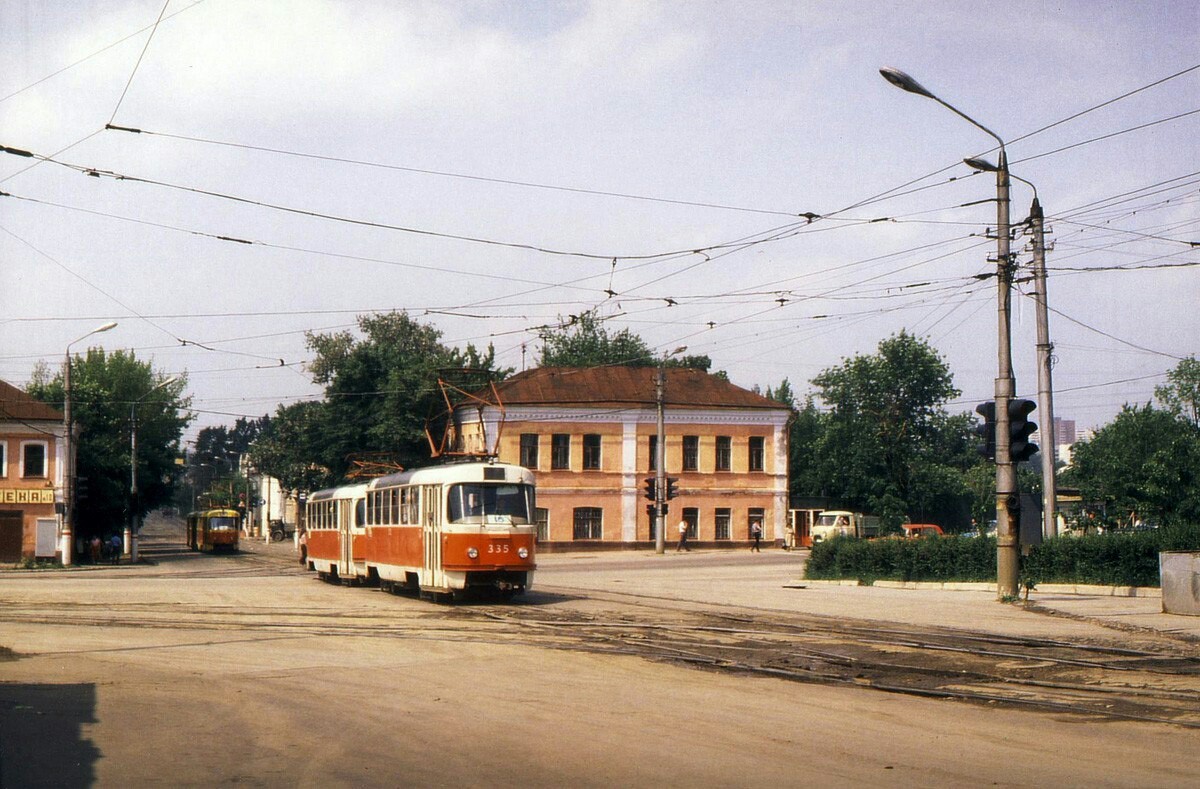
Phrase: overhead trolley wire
pixel 100 173
pixel 447 173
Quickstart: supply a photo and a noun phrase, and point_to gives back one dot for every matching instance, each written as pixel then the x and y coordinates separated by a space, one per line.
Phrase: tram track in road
pixel 1127 677
pixel 1106 681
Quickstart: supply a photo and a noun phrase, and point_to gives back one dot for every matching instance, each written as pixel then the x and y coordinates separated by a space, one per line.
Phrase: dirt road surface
pixel 198 670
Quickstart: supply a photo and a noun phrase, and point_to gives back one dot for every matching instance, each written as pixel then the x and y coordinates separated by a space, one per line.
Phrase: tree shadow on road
pixel 41 735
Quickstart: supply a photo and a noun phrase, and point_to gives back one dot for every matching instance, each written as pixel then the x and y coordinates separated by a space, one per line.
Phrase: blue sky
pixel 733 118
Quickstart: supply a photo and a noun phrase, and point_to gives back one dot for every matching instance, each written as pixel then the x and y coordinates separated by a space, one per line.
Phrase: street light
pixel 660 450
pixel 133 526
pixel 1045 352
pixel 69 449
pixel 1008 556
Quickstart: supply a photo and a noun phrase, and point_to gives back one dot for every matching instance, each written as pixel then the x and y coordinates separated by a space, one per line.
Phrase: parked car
pixel 921 529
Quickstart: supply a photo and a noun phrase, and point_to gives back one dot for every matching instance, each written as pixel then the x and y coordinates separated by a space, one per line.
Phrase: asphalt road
pixel 617 669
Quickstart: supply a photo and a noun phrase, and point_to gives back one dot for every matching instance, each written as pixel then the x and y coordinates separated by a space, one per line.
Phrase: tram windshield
pixel 222 523
pixel 483 502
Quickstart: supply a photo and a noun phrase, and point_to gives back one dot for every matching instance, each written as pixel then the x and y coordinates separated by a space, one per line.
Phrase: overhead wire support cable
pixel 136 65
pixel 100 51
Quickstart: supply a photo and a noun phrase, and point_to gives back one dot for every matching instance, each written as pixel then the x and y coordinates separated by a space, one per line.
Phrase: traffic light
pixel 1020 448
pixel 651 488
pixel 672 492
pixel 987 430
pixel 81 487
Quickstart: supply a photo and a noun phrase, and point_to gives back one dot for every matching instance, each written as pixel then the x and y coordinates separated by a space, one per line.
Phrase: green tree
pixel 381 389
pixel 213 463
pixel 1147 460
pixel 887 443
pixel 806 475
pixel 291 449
pixel 104 389
pixel 1181 394
pixel 583 341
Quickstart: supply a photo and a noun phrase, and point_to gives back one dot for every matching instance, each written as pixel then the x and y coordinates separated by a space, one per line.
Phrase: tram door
pixel 345 516
pixel 432 574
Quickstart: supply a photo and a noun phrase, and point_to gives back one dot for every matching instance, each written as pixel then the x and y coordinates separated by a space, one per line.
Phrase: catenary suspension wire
pixel 145 47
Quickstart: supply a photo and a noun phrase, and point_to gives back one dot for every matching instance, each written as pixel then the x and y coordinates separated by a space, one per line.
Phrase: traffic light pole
pixel 1008 549
pixel 1008 554
pixel 660 464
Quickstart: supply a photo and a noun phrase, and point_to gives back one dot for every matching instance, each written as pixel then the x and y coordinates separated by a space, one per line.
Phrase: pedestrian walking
pixel 303 545
pixel 683 535
pixel 115 547
pixel 756 535
pixel 94 548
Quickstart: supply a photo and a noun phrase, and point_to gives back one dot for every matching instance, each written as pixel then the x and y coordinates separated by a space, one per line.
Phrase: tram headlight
pixel 472 553
pixel 523 553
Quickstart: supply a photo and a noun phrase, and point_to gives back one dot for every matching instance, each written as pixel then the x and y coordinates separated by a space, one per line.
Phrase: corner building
pixel 31 477
pixel 590 437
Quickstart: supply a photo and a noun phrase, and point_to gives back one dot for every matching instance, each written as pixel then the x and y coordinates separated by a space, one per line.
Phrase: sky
pixel 734 177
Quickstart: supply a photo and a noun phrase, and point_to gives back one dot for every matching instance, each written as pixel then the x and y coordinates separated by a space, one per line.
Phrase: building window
pixel 691 453
pixel 755 515
pixel 541 517
pixel 756 453
pixel 653 464
pixel 529 450
pixel 591 452
pixel 724 453
pixel 691 516
pixel 589 523
pixel 3 459
pixel 721 522
pixel 560 451
pixel 33 458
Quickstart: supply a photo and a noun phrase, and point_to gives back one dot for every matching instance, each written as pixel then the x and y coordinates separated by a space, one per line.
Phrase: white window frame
pixel 3 460
pixel 45 445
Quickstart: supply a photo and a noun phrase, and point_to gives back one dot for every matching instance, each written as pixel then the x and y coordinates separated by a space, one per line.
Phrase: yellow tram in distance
pixel 213 530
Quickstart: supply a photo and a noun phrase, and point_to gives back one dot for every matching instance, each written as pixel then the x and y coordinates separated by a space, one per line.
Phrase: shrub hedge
pixel 1115 559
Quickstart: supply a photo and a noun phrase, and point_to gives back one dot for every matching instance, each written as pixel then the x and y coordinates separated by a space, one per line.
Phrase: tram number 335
pixel 494 548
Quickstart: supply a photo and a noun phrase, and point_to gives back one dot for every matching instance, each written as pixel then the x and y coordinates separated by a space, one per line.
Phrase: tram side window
pixel 410 505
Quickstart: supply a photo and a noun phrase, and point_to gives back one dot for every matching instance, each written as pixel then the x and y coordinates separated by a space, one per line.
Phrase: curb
pixel 968 586
pixel 1098 591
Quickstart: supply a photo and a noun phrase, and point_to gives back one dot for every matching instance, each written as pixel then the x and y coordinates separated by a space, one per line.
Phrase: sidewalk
pixel 773 581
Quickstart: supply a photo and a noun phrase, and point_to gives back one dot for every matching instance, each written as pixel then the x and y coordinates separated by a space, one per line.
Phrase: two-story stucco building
pixel 590 435
pixel 31 476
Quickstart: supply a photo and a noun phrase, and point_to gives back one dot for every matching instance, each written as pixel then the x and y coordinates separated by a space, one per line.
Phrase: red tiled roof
pixel 626 386
pixel 15 404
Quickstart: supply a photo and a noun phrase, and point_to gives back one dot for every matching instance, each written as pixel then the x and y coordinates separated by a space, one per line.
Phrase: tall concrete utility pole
pixel 1008 549
pixel 1045 354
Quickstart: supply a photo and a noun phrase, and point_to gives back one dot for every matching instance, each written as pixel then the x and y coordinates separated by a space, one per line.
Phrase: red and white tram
pixel 440 530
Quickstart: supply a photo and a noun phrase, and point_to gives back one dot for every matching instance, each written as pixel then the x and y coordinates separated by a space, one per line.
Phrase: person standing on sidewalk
pixel 756 535
pixel 683 535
